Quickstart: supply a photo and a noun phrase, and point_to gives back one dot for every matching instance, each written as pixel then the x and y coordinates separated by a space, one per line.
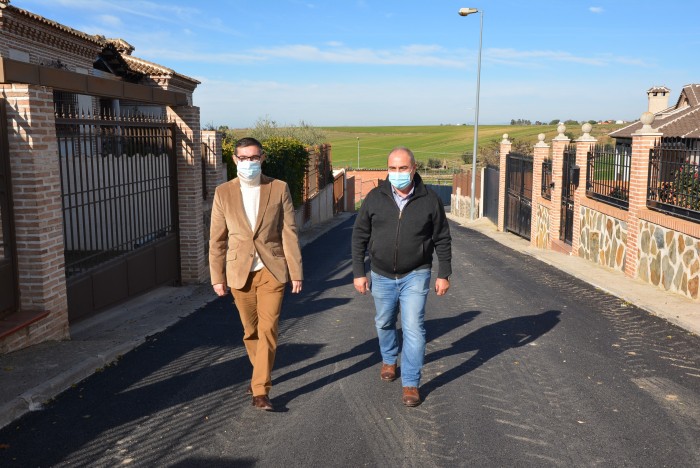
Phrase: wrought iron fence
pixel 118 185
pixel 547 183
pixel 608 177
pixel 674 177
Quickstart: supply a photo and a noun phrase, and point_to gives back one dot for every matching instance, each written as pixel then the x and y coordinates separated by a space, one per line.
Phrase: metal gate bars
pixel 119 207
pixel 518 209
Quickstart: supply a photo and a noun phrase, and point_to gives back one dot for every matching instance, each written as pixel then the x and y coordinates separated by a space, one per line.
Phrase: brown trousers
pixel 259 303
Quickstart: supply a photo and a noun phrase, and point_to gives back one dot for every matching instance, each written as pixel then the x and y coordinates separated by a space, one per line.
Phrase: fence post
pixel 502 188
pixel 643 141
pixel 559 144
pixel 215 167
pixel 188 149
pixel 38 213
pixel 584 144
pixel 540 153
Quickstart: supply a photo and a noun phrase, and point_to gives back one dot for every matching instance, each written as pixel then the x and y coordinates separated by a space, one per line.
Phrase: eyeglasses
pixel 254 158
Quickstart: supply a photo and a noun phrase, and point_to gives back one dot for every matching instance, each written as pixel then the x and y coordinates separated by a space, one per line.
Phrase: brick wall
pixel 38 216
pixel 44 43
pixel 189 181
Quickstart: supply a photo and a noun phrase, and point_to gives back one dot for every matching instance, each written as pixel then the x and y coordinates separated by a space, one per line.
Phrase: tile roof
pixel 149 68
pixel 680 120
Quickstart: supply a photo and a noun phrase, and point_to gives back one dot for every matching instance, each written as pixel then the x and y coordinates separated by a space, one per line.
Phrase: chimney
pixel 658 98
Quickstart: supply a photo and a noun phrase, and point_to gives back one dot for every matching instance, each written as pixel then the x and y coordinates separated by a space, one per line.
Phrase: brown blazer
pixel 232 242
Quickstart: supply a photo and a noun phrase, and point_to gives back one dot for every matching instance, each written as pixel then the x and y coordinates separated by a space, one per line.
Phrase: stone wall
pixel 602 239
pixel 542 227
pixel 669 259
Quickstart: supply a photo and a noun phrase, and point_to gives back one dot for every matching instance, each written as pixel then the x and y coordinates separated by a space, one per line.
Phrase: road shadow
pixel 369 349
pixel 490 341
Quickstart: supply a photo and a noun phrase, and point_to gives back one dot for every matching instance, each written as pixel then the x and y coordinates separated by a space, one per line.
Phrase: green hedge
pixel 285 159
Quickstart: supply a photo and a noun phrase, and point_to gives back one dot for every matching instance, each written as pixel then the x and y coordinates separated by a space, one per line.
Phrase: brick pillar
pixel 38 213
pixel 558 145
pixel 642 142
pixel 189 179
pixel 215 167
pixel 541 152
pixel 502 188
pixel 584 144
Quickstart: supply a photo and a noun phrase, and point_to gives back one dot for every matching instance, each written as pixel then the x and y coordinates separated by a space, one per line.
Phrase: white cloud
pixel 595 10
pixel 534 58
pixel 414 55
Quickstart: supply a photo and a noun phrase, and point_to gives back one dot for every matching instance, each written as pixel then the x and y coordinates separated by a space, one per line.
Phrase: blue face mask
pixel 249 170
pixel 400 180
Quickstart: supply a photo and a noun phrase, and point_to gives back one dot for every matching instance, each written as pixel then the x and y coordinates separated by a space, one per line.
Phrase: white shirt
pixel 250 190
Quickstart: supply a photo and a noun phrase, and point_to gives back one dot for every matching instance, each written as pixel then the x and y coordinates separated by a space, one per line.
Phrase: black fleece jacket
pixel 400 242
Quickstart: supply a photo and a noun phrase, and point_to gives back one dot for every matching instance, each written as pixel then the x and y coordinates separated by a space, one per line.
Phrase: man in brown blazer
pixel 254 249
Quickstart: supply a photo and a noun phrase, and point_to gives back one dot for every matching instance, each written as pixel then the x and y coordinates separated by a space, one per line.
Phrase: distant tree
pixel 554 122
pixel 434 163
pixel 592 122
pixel 571 122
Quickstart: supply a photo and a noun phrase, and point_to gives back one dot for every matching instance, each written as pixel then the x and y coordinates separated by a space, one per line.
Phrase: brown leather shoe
pixel 388 372
pixel 410 396
pixel 262 402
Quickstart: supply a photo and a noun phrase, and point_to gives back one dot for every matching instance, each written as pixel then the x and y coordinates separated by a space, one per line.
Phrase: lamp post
pixel 358 152
pixel 467 12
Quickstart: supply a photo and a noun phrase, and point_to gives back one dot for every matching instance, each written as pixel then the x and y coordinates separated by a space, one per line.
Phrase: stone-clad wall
pixel 603 239
pixel 669 259
pixel 542 238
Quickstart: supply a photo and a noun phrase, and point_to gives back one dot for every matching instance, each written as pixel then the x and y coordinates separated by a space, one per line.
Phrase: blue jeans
pixel 411 293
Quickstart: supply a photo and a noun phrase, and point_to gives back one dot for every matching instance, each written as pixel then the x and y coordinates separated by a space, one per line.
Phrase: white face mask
pixel 249 170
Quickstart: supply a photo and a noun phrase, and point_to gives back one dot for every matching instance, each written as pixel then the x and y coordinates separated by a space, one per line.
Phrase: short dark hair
pixel 247 141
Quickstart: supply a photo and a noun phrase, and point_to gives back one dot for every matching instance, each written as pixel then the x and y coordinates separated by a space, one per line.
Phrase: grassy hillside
pixel 439 142
pixel 444 142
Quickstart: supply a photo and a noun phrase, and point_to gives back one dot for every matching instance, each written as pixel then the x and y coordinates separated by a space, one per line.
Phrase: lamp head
pixel 467 11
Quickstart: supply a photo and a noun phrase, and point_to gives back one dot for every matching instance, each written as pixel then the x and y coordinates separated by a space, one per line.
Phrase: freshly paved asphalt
pixel 526 366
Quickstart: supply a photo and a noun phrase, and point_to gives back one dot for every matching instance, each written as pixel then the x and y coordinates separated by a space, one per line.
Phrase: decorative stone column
pixel 541 152
pixel 506 145
pixel 559 144
pixel 643 141
pixel 584 144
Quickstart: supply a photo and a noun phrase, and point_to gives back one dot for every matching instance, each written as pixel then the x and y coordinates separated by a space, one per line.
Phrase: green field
pixel 446 142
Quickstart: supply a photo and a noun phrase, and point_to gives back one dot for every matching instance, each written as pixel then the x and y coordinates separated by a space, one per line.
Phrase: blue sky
pixel 405 62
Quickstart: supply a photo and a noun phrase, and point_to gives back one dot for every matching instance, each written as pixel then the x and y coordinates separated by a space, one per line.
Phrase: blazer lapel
pixel 265 187
pixel 238 207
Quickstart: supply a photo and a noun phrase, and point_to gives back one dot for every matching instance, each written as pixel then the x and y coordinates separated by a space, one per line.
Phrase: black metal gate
pixel 518 209
pixel 9 294
pixel 119 199
pixel 491 176
pixel 566 229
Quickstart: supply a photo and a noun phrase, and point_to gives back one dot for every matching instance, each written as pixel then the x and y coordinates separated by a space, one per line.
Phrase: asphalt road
pixel 525 366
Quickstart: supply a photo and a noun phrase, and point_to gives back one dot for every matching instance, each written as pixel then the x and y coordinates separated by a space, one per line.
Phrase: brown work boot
pixel 388 372
pixel 410 396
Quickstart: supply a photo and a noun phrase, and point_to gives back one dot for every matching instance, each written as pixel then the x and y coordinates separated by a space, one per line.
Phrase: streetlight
pixel 358 152
pixel 467 12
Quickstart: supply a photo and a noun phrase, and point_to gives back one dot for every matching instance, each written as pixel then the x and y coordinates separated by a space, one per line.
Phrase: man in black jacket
pixel 401 222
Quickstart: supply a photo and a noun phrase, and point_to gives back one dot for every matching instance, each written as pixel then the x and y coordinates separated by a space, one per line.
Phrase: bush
pixel 287 159
pixel 434 163
pixel 309 135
